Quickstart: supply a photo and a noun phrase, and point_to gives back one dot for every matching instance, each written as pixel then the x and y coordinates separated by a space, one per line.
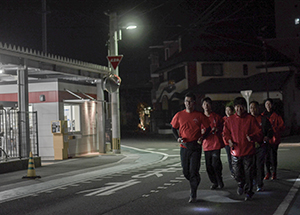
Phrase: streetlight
pixel 130 27
pixel 114 36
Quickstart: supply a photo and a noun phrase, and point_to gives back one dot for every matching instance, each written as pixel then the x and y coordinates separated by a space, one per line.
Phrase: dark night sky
pixel 79 29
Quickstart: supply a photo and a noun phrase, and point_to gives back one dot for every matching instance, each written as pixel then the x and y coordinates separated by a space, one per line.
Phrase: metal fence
pixel 12 142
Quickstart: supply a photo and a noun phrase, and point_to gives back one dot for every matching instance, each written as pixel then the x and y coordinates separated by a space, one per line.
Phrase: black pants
pixel 243 172
pixel 190 162
pixel 271 158
pixel 259 165
pixel 214 166
pixel 227 148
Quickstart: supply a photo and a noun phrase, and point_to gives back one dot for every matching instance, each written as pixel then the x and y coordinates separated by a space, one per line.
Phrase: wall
pixel 53 109
pixel 47 111
pixel 230 70
pixel 291 105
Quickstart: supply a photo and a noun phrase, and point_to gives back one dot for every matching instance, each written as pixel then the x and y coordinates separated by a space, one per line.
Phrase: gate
pixel 10 134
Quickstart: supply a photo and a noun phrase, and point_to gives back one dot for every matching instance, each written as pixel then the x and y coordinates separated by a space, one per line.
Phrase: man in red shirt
pixel 189 122
pixel 272 148
pixel 212 145
pixel 240 132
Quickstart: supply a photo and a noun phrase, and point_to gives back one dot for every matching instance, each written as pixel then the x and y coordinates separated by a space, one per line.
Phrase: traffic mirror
pixel 112 83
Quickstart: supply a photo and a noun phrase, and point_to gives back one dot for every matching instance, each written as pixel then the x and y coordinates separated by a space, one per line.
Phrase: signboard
pixel 246 94
pixel 114 60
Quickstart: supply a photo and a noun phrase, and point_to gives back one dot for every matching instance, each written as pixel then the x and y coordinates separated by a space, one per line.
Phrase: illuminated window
pixel 72 116
pixel 297 21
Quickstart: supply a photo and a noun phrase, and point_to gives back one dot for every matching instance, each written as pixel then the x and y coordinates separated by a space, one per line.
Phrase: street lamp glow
pixel 130 27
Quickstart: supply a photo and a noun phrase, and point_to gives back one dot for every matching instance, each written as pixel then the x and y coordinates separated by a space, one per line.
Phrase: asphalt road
pixel 145 179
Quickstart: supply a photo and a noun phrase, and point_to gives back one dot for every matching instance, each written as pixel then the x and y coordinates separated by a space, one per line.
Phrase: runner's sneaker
pixel 221 185
pixel 213 187
pixel 192 200
pixel 267 176
pixel 248 197
pixel 274 176
pixel 259 189
pixel 240 191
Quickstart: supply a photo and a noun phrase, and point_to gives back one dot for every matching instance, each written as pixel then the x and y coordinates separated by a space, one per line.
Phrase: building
pixel 61 92
pixel 221 71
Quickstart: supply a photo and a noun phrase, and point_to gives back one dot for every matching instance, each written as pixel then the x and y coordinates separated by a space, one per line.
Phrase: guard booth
pixel 43 82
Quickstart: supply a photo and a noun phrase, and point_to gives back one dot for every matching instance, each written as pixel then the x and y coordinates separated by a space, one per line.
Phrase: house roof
pixel 223 49
pixel 46 66
pixel 256 83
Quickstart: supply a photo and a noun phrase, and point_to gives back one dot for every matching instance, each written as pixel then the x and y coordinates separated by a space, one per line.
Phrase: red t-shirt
pixel 189 124
pixel 214 140
pixel 236 128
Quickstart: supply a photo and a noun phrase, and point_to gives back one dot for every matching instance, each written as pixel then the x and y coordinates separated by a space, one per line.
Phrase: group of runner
pixel 251 141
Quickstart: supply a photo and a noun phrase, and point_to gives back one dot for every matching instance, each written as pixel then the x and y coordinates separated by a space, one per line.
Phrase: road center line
pixel 289 198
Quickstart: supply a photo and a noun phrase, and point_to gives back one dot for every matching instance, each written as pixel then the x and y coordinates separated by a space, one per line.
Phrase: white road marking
pixel 175 181
pixel 156 172
pixel 111 188
pixel 289 198
pixel 161 188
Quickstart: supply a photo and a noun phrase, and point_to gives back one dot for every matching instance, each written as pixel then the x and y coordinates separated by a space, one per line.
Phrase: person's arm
pixel 206 127
pixel 175 133
pixel 256 133
pixel 281 124
pixel 267 129
pixel 206 133
pixel 230 143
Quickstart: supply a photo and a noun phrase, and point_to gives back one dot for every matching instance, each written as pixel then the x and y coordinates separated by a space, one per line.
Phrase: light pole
pixel 114 37
pixel 115 102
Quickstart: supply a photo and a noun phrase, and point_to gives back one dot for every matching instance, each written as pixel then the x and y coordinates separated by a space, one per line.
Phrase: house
pixel 221 70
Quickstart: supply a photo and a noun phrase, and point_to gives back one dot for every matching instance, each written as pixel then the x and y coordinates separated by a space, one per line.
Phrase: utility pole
pixel 44 26
pixel 115 102
pixel 266 67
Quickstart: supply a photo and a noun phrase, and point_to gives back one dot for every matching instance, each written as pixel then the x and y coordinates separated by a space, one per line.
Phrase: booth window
pixel 72 116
